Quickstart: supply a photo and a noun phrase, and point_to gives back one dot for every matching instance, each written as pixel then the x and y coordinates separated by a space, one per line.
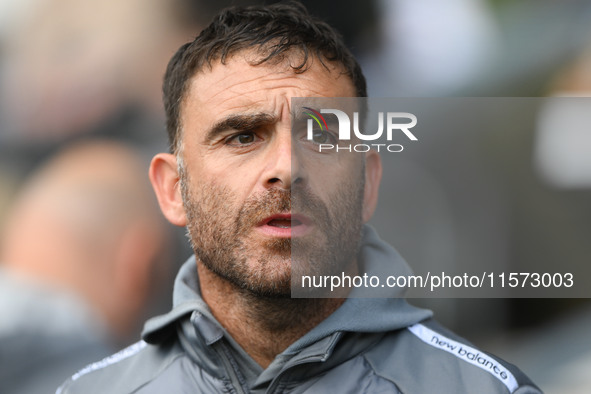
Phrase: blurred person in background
pixel 92 68
pixel 69 65
pixel 77 264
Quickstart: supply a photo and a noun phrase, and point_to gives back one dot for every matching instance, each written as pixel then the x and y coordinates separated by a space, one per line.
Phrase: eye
pixel 243 138
pixel 320 136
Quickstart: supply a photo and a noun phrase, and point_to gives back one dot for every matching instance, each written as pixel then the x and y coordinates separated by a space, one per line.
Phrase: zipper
pixel 307 360
pixel 277 378
pixel 220 348
pixel 230 366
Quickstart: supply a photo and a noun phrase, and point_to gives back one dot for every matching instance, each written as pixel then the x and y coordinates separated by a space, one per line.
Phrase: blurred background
pixel 82 80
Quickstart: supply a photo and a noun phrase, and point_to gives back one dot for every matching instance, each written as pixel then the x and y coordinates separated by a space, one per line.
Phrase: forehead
pixel 239 86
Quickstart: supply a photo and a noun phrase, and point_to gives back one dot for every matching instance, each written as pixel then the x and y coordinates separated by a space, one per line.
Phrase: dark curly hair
pixel 273 31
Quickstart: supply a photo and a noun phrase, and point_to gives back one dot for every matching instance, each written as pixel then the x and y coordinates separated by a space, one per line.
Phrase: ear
pixel 373 176
pixel 166 183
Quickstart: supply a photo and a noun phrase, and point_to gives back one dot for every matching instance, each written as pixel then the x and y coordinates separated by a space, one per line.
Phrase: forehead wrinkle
pixel 302 78
pixel 289 91
pixel 202 76
pixel 227 89
pixel 262 91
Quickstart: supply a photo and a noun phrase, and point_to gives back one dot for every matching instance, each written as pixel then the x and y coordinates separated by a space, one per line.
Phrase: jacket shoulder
pixel 124 371
pixel 426 357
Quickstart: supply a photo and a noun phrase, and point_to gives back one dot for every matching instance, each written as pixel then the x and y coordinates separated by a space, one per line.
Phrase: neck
pixel 264 327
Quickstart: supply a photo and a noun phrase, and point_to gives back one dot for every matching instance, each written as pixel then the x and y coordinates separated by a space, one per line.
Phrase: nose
pixel 282 170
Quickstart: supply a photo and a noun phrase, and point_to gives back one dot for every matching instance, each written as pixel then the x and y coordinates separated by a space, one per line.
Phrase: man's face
pixel 251 189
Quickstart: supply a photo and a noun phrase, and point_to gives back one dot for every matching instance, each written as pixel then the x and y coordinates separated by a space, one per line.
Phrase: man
pixel 230 178
pixel 78 265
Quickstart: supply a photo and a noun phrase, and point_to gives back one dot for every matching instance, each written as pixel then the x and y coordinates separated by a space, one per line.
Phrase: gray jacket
pixel 46 334
pixel 368 345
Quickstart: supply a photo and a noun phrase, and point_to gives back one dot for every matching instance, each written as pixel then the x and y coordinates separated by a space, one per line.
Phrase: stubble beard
pixel 222 235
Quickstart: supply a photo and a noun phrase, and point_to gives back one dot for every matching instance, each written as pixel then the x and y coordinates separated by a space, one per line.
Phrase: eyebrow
pixel 242 122
pixel 301 113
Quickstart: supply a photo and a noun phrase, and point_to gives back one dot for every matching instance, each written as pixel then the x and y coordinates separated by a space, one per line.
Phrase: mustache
pixel 274 201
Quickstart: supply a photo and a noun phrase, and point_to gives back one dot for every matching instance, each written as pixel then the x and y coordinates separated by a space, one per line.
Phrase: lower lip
pixel 287 232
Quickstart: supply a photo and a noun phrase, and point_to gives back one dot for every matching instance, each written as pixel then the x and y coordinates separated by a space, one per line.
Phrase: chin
pixel 275 289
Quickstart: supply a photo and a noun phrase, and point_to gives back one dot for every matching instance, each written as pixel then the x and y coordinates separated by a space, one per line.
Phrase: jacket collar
pixel 356 315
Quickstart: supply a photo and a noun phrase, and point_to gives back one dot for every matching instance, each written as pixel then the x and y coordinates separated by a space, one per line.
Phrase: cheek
pixel 208 204
pixel 221 190
pixel 327 180
pixel 240 176
pixel 235 188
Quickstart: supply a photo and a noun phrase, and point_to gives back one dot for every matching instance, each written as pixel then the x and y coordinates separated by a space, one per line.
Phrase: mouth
pixel 285 225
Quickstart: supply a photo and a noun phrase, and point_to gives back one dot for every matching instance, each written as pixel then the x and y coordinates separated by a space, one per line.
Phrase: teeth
pixel 281 223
